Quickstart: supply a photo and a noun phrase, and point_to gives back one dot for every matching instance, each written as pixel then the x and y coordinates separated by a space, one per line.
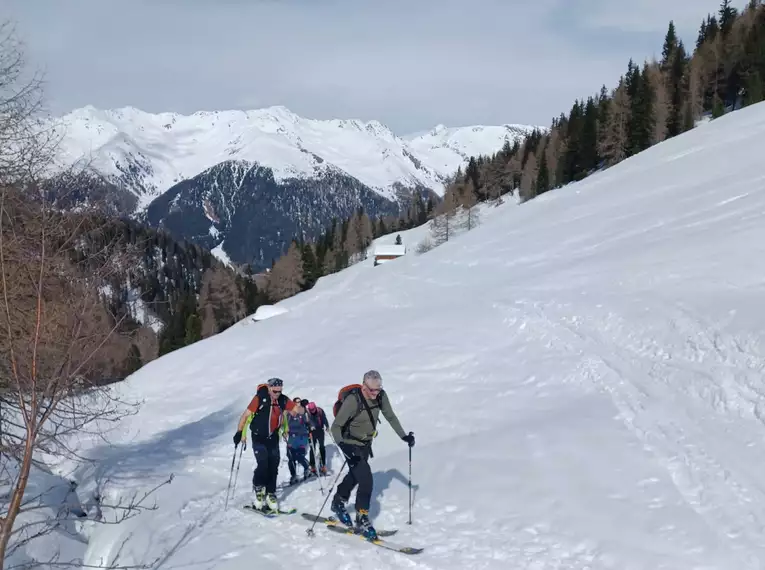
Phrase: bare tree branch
pixel 57 338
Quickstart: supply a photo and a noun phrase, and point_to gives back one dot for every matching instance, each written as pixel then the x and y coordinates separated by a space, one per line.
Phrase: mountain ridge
pixel 148 153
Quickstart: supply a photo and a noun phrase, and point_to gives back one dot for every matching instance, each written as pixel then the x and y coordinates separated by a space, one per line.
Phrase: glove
pixel 409 438
pixel 237 438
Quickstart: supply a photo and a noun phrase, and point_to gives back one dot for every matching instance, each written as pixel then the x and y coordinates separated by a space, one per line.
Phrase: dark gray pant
pixel 267 457
pixel 359 473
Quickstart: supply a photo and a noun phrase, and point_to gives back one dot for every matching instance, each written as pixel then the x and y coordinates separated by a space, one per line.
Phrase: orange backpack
pixel 342 394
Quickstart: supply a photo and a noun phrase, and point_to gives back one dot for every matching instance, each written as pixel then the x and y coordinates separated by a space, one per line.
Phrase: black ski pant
pixel 318 437
pixel 267 457
pixel 359 473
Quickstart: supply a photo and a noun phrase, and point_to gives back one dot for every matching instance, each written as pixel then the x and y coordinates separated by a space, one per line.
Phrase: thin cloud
pixel 410 64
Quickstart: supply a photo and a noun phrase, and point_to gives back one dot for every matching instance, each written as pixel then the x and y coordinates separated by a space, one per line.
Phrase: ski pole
pixel 317 461
pixel 230 477
pixel 309 531
pixel 238 465
pixel 410 484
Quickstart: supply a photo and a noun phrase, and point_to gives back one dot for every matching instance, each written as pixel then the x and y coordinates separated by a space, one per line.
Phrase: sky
pixel 411 64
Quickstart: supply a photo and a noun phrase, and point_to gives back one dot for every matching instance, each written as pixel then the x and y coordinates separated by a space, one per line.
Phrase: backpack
pixel 262 393
pixel 354 389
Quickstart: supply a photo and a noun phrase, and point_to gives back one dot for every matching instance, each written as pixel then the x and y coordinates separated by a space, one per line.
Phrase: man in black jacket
pixel 264 414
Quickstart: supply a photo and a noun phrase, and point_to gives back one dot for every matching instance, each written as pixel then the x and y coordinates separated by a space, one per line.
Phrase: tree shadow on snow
pixel 156 456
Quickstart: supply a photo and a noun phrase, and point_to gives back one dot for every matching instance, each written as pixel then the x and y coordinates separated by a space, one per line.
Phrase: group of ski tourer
pixel 271 414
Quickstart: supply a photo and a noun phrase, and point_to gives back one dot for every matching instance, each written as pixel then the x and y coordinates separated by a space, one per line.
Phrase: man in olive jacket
pixel 353 430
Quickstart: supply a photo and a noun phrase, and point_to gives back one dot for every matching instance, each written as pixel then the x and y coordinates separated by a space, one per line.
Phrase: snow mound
pixel 267 312
pixel 583 374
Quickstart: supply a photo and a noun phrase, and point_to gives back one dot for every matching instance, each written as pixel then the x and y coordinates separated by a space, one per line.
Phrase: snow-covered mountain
pixel 149 153
pixel 445 149
pixel 583 374
pixel 214 178
pixel 250 217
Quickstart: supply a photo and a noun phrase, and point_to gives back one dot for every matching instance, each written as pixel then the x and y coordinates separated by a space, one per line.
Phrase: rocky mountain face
pixel 244 183
pixel 252 216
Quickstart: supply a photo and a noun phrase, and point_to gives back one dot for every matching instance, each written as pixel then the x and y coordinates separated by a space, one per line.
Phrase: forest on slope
pixel 649 103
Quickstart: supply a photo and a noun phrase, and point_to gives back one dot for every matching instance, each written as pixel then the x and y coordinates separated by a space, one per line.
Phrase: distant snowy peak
pixel 148 153
pixel 445 149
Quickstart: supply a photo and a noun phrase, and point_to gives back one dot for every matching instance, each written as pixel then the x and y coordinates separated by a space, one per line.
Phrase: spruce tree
pixel 588 139
pixel 670 45
pixel 571 163
pixel 310 267
pixel 702 37
pixel 727 16
pixel 677 72
pixel 543 176
pixel 641 123
pixel 471 173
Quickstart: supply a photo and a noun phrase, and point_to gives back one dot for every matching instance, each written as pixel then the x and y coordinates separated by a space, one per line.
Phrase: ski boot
pixel 271 503
pixel 338 507
pixel 307 474
pixel 258 498
pixel 294 480
pixel 364 527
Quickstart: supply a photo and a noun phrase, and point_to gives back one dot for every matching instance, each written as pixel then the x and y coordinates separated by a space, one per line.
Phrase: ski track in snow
pixel 652 395
pixel 583 374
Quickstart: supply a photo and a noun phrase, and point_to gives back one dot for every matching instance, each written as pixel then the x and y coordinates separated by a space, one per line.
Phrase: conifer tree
pixel 677 72
pixel 543 178
pixel 727 16
pixel 311 272
pixel 670 46
pixel 641 111
pixel 589 139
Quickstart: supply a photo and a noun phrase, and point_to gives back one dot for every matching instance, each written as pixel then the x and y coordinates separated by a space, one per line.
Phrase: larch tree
pixel 286 276
pixel 220 302
pixel 528 187
pixel 57 336
pixel 657 81
pixel 614 142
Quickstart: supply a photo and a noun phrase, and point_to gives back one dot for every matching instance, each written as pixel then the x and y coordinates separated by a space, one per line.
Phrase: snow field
pixel 583 375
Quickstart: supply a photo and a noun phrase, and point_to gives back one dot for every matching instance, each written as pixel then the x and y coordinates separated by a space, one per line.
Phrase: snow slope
pixel 149 153
pixel 583 374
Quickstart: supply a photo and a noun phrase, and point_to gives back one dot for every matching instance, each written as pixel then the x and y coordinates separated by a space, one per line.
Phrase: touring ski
pixel 270 514
pixel 378 542
pixel 333 522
